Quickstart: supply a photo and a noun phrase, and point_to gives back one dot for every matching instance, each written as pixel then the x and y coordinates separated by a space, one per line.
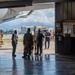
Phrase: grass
pixel 9 40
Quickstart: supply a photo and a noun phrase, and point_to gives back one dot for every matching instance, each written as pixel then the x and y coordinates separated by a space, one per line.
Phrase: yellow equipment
pixel 1 35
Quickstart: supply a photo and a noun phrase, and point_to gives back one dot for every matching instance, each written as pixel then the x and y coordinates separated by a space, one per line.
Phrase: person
pixel 1 36
pixel 34 41
pixel 39 42
pixel 47 39
pixel 28 44
pixel 14 42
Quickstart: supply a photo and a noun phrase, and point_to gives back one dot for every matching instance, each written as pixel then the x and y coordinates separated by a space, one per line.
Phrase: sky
pixel 44 17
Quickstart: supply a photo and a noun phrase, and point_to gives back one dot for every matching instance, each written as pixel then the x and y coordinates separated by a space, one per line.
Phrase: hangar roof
pixel 19 3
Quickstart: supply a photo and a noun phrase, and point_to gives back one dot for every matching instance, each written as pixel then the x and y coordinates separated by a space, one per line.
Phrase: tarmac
pixel 7 48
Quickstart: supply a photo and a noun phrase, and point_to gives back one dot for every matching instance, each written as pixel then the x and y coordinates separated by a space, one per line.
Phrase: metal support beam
pixel 41 1
pixel 21 3
pixel 18 3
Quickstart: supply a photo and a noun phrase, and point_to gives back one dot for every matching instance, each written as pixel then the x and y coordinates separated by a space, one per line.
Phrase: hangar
pixel 64 37
pixel 64 17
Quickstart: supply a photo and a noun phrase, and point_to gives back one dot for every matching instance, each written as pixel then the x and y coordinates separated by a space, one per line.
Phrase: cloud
pixel 41 17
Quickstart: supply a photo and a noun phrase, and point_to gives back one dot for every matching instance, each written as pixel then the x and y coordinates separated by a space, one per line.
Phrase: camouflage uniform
pixel 28 43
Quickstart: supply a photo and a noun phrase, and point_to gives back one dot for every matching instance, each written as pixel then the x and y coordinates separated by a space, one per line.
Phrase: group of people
pixel 28 42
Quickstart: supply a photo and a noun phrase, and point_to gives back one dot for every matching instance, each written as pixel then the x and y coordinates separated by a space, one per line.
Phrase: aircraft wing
pixel 11 16
pixel 8 14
